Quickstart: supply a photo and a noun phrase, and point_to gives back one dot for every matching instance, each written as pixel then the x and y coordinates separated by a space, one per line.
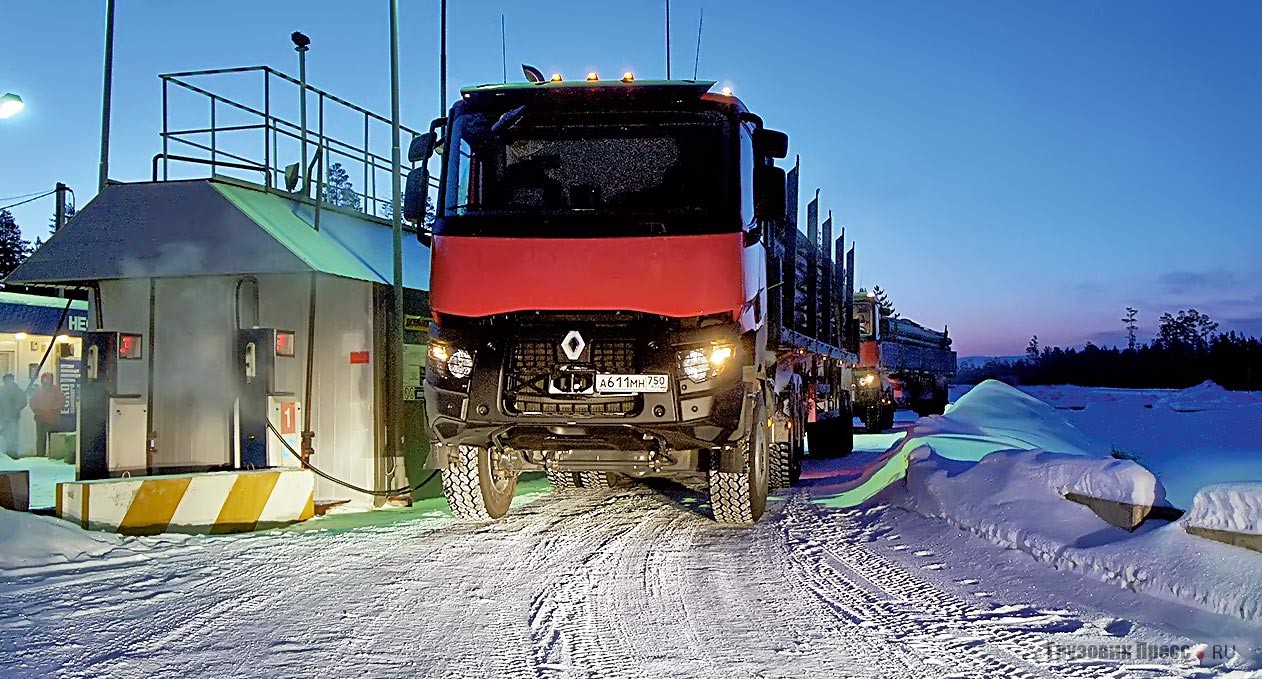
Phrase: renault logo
pixel 573 345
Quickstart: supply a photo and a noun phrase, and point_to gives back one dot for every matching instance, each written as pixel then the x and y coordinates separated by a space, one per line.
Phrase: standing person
pixel 46 404
pixel 12 403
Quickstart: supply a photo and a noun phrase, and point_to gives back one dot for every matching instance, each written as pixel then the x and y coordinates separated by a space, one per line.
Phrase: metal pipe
pixel 105 96
pixel 668 39
pixel 165 168
pixel 302 108
pixel 370 206
pixel 394 385
pixel 212 135
pixel 308 436
pixel 266 128
pixel 151 436
pixel 442 58
pixel 319 199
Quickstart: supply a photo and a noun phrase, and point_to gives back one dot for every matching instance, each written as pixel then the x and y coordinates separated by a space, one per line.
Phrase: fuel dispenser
pixel 112 418
pixel 259 353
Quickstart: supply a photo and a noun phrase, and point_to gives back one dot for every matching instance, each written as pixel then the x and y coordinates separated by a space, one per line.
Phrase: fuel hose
pixel 346 484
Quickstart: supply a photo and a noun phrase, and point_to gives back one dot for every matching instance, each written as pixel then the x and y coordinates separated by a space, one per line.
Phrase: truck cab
pixel 599 289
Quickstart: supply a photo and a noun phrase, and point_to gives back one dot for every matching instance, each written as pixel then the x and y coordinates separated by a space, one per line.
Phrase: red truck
pixel 902 364
pixel 611 262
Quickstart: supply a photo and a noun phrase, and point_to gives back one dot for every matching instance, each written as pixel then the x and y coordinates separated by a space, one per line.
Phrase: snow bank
pixel 28 541
pixel 994 416
pixel 1235 507
pixel 1009 490
pixel 1207 396
pixel 1188 449
pixel 1015 499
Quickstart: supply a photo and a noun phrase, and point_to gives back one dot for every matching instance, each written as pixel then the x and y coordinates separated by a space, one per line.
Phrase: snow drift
pixel 999 465
pixel 1234 507
pixel 994 416
pixel 1206 396
pixel 28 541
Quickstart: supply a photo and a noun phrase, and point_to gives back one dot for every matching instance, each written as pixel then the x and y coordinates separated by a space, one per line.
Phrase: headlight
pixel 460 364
pixel 696 365
pixel 457 363
pixel 702 363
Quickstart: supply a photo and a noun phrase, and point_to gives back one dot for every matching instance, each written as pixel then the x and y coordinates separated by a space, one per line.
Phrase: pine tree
pixel 1131 325
pixel 883 301
pixel 1032 351
pixel 13 249
pixel 338 189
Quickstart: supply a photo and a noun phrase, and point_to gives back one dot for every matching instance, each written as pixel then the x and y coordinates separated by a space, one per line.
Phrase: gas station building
pixel 200 332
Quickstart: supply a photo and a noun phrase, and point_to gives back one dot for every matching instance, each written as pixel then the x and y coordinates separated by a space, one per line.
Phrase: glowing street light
pixel 10 105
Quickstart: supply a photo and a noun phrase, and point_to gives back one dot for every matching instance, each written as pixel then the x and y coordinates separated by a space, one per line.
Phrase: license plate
pixel 607 383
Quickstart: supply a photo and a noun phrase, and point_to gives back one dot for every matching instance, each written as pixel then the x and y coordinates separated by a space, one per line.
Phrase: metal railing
pixel 260 139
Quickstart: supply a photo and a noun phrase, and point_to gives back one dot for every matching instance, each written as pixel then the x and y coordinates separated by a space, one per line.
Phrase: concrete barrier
pixel 212 503
pixel 15 490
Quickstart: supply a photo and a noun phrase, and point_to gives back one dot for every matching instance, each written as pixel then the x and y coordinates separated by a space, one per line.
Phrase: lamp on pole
pixel 11 105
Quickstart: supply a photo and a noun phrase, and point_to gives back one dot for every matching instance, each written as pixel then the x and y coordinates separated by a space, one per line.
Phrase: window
pixel 548 163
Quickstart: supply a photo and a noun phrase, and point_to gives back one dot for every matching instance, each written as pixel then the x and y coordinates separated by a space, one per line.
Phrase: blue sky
pixel 1006 168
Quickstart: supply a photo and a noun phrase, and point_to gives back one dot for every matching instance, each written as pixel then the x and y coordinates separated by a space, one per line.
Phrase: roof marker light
pixel 592 77
pixel 628 77
pixel 726 91
pixel 556 77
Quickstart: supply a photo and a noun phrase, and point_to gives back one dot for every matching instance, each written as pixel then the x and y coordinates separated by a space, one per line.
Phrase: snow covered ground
pixel 962 572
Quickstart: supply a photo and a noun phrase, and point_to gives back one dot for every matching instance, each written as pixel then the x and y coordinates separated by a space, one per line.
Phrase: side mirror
pixel 769 196
pixel 422 147
pixel 770 143
pixel 414 194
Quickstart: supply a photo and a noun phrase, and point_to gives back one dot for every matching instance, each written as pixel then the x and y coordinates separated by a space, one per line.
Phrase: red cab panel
pixel 676 276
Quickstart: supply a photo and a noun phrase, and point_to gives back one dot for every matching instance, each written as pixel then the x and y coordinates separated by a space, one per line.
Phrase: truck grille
pixel 531 365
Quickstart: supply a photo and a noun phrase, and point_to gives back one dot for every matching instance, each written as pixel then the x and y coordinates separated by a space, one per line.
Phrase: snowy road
pixel 634 582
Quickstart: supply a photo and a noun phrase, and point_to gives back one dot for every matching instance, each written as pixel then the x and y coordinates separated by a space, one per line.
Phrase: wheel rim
pixel 499 480
pixel 759 474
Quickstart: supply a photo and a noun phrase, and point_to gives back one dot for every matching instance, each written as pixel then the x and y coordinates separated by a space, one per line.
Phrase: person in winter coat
pixel 46 404
pixel 12 403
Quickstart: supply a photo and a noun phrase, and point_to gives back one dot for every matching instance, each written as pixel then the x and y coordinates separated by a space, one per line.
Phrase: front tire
pixel 741 497
pixel 475 488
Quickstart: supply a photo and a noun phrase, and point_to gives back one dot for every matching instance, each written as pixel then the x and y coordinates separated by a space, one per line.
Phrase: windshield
pixel 549 163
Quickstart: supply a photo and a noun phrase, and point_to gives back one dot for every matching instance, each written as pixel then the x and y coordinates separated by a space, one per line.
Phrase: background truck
pixel 902 364
pixel 619 289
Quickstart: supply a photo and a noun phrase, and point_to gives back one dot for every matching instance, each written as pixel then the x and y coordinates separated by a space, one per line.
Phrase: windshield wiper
pixel 508 120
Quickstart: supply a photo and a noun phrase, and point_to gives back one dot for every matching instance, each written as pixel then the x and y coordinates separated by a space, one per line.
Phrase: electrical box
pixel 125 434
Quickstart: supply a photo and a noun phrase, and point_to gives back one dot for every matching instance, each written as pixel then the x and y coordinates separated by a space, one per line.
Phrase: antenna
pixel 697 62
pixel 668 39
pixel 504 48
pixel 442 59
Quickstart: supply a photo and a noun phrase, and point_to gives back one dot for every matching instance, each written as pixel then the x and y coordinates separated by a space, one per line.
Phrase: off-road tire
pixel 741 497
pixel 598 480
pixel 472 490
pixel 781 460
pixel 563 482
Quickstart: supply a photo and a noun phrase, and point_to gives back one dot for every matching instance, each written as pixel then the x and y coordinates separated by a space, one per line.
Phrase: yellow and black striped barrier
pixel 210 503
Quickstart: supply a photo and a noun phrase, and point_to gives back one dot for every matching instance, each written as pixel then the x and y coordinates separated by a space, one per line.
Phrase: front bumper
pixel 639 434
